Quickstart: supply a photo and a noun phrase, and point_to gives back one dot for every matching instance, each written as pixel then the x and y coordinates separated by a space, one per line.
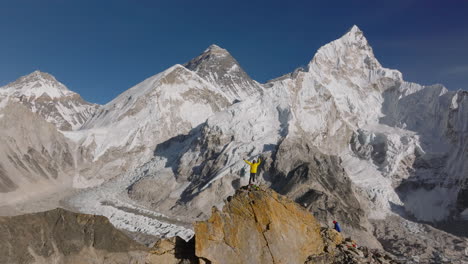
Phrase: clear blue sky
pixel 100 48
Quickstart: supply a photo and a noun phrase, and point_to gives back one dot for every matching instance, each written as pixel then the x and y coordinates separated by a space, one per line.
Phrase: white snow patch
pixel 195 113
pixel 378 188
pixel 454 102
pixel 80 182
pixel 75 136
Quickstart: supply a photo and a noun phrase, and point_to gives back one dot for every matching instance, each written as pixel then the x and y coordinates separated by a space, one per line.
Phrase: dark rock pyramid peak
pixel 217 66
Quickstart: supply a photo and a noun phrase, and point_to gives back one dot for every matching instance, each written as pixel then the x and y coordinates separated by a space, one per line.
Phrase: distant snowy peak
pixel 219 68
pixel 157 95
pixel 352 55
pixel 36 84
pixel 166 105
pixel 52 100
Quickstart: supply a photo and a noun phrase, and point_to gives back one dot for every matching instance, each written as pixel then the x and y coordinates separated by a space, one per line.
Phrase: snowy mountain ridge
pixel 345 137
pixel 43 94
pixel 36 84
pixel 170 103
pixel 342 105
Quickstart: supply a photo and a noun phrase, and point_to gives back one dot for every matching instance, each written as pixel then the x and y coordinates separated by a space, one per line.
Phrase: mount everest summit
pixel 345 137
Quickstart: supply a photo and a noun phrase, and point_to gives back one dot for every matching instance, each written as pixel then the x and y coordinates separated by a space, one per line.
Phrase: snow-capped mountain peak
pixel 36 84
pixel 217 66
pixel 351 51
pixel 355 28
pixel 216 50
pixel 51 99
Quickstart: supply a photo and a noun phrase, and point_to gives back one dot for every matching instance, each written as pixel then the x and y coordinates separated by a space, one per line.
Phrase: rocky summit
pixel 258 225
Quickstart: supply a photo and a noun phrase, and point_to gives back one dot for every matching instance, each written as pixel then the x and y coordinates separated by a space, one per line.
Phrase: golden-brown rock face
pixel 258 226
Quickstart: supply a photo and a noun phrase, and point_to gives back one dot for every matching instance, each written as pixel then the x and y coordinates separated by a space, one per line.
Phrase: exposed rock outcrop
pixel 261 226
pixel 258 227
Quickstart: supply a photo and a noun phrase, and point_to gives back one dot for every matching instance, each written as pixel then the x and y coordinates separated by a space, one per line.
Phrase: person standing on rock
pixel 253 169
pixel 337 226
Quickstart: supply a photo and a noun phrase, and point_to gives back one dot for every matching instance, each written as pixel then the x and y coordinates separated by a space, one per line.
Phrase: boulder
pixel 258 226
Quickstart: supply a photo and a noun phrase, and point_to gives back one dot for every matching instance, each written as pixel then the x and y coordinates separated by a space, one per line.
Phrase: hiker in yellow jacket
pixel 253 169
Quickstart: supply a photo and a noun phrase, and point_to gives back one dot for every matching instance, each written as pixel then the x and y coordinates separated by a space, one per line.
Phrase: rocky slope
pixel 258 227
pixel 60 236
pixel 35 157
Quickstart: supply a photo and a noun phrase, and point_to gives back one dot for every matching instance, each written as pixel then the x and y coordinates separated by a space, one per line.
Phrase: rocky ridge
pixel 256 225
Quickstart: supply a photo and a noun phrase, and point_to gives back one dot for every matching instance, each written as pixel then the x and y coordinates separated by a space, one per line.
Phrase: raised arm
pixel 250 163
pixel 259 161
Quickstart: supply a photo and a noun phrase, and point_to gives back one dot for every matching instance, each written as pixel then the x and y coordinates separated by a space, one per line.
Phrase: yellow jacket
pixel 253 166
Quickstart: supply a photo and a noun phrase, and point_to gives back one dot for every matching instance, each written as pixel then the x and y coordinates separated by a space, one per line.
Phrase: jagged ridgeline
pixel 345 137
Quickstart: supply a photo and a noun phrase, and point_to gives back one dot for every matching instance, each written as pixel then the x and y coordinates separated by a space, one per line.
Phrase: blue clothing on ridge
pixel 337 226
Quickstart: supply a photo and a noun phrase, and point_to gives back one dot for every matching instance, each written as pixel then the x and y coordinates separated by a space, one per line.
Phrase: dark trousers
pixel 252 177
